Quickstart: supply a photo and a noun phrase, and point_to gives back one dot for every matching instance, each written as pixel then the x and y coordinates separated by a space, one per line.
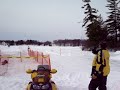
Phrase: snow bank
pixel 73 66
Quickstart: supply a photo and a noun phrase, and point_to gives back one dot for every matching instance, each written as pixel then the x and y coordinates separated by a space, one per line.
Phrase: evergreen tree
pixel 113 20
pixel 96 29
pixel 90 17
pixel 118 19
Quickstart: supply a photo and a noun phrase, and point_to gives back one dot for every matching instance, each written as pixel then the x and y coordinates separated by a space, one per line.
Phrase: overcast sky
pixel 44 19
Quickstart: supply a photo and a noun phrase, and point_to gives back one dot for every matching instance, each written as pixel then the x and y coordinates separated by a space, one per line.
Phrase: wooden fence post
pixel 60 51
pixel 0 56
pixel 42 56
pixel 20 57
pixel 37 56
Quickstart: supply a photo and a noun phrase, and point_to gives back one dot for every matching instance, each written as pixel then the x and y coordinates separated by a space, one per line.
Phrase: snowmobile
pixel 41 78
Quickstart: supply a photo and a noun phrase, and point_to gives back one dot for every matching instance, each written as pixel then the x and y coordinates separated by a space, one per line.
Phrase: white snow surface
pixel 73 68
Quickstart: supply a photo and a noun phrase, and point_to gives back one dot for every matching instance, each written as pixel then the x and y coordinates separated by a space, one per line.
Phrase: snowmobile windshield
pixel 43 68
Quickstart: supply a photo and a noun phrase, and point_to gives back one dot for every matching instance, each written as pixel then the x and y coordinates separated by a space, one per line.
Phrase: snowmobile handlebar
pixel 29 71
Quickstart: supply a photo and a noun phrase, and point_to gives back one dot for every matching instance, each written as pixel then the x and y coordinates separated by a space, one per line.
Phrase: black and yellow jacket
pixel 101 63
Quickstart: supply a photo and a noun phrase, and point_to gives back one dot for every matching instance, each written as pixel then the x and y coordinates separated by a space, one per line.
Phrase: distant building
pixel 5 44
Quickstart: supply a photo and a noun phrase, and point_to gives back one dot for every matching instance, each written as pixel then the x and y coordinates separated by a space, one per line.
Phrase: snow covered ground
pixel 73 66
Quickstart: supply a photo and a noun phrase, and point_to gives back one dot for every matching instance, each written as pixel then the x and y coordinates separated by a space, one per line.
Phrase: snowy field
pixel 73 66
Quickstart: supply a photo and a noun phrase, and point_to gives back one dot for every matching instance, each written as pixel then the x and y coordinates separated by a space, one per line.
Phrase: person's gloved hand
pixel 93 76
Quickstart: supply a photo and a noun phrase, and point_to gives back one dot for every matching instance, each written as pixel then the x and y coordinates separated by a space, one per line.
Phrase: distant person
pixel 8 45
pixel 100 68
pixel 28 48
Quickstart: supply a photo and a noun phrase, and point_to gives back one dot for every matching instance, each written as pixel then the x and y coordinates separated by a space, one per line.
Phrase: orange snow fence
pixel 40 57
pixel 45 60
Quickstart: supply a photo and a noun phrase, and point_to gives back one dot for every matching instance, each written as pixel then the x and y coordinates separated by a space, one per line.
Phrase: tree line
pixel 24 42
pixel 65 42
pixel 68 42
pixel 97 29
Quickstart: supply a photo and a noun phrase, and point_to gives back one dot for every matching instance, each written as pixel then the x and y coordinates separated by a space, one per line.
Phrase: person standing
pixel 100 68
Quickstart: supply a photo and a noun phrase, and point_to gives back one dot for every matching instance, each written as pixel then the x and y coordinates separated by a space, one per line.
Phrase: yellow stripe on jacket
pixel 105 57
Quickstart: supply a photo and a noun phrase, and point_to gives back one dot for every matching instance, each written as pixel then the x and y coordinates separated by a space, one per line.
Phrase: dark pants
pixel 99 83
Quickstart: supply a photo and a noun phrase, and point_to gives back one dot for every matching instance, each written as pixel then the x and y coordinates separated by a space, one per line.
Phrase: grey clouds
pixel 43 19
